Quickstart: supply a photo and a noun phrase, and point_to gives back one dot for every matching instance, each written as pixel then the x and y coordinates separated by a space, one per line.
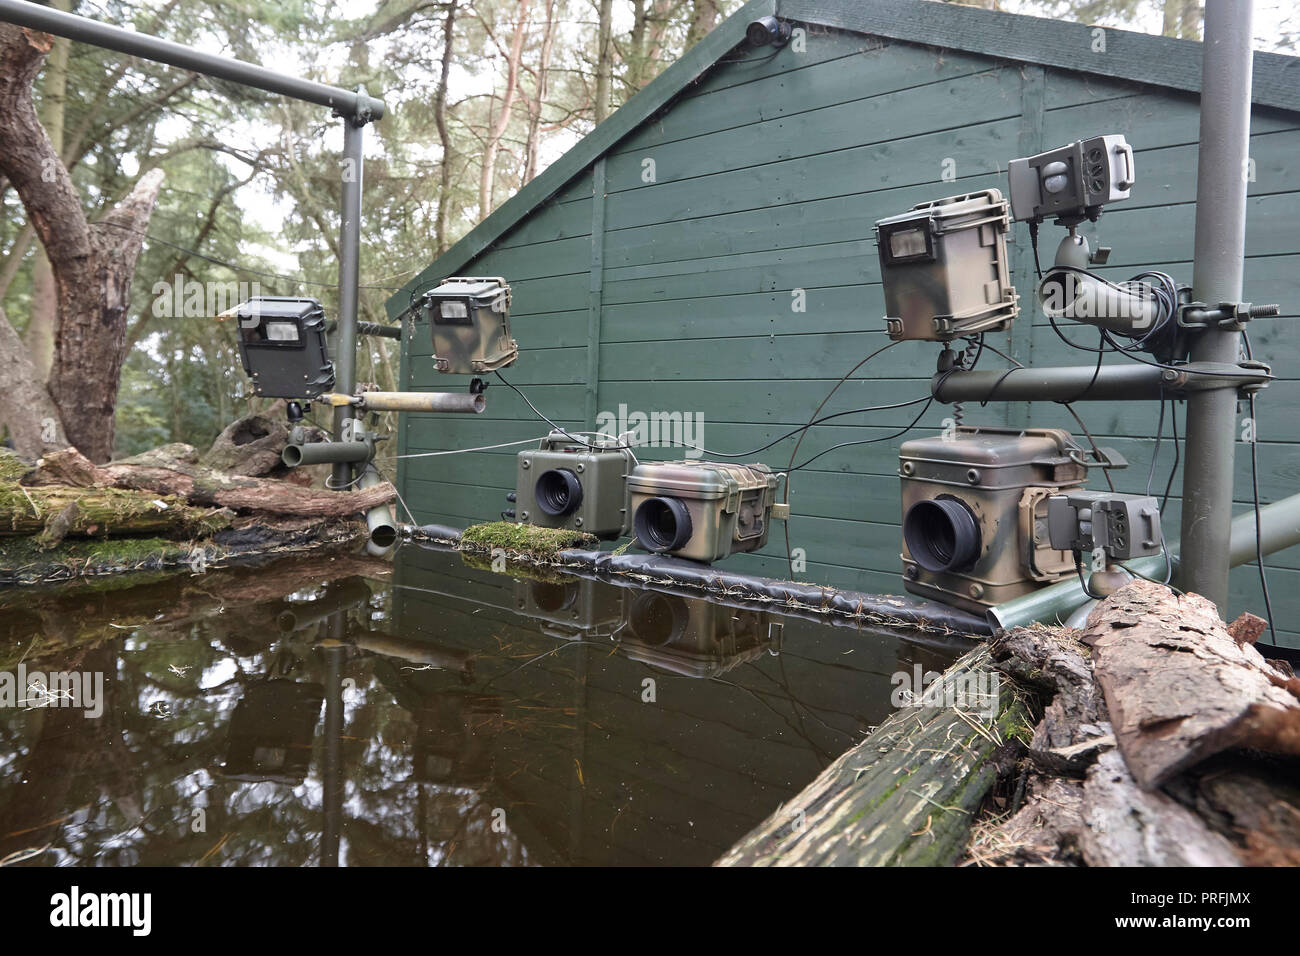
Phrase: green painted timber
pixel 680 291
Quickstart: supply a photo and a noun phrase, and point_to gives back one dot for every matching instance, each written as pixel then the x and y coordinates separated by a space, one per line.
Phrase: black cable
pixel 1078 569
pixel 1173 470
pixel 1254 483
pixel 1033 244
pixel 1155 453
pixel 721 454
pixel 538 413
pixel 867 441
pixel 795 450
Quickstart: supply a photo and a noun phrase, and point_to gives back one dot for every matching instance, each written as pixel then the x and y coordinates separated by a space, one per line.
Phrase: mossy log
pixel 906 795
pixel 99 512
pixel 175 470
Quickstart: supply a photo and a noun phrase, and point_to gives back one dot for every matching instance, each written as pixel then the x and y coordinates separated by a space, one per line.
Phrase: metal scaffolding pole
pixel 1217 277
pixel 84 30
pixel 345 349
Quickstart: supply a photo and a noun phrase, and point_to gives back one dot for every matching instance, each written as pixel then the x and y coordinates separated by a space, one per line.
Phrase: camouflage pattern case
pixel 944 269
pixel 708 510
pixel 1003 477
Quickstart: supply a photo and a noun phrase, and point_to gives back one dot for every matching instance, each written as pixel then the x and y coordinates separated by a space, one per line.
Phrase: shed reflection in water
pixel 426 713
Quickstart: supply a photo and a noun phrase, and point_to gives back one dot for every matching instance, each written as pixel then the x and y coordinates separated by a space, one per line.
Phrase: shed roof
pixel 1137 57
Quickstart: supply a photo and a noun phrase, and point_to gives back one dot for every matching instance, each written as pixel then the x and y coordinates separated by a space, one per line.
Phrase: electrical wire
pixel 722 454
pixel 1254 483
pixel 461 451
pixel 1155 454
pixel 1173 470
pixel 867 441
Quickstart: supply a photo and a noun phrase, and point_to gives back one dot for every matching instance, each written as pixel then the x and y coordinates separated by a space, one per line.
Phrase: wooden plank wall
pixel 768 176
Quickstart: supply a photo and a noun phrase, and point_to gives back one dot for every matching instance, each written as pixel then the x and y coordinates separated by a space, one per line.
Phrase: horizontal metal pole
pixel 349 103
pixel 1279 527
pixel 1070 384
pixel 326 453
pixel 382 331
pixel 467 402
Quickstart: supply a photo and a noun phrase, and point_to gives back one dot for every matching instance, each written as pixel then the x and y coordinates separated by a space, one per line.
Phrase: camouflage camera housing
pixel 943 266
pixel 975 512
pixel 702 510
pixel 469 320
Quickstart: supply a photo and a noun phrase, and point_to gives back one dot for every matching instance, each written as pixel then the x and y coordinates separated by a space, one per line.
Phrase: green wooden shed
pixel 708 251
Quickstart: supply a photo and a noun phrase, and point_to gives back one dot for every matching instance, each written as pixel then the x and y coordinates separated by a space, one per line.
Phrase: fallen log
pixel 907 794
pixel 175 470
pixel 252 445
pixel 1127 825
pixel 1179 688
pixel 58 512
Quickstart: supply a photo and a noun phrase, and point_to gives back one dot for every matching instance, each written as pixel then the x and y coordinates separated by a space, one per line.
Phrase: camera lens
pixel 942 534
pixel 558 492
pixel 662 524
pixel 552 597
pixel 657 619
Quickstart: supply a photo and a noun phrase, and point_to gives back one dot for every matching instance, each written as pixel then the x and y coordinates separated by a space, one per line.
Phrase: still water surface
pixel 421 712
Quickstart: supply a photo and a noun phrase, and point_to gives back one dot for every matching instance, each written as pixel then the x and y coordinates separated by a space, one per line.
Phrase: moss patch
pixel 11 466
pixel 525 539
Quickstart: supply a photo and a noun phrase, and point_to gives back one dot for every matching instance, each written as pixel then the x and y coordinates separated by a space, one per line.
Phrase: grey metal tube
pixel 85 30
pixel 1069 384
pixel 380 331
pixel 467 402
pixel 379 519
pixel 1279 527
pixel 345 341
pixel 326 453
pixel 1280 523
pixel 1216 277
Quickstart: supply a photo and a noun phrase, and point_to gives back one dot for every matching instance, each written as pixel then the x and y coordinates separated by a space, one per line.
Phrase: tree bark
pixel 444 138
pixel 904 796
pixel 497 128
pixel 25 405
pixel 1179 688
pixel 44 317
pixel 538 100
pixel 704 17
pixel 92 264
pixel 604 58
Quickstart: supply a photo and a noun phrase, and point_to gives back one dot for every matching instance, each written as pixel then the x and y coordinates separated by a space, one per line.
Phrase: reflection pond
pixel 419 712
